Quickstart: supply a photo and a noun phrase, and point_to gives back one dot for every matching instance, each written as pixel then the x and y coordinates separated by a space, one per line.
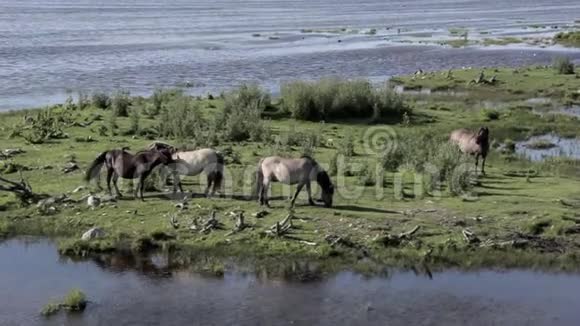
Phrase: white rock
pixel 93 201
pixel 79 189
pixel 93 233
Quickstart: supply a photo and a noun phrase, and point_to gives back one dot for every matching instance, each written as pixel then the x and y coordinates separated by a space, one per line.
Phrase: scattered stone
pixel 70 167
pixel 93 233
pixel 79 189
pixel 93 201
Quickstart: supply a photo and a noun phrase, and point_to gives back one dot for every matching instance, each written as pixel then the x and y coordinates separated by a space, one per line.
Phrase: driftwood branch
pixel 396 239
pixel 21 189
pixel 281 228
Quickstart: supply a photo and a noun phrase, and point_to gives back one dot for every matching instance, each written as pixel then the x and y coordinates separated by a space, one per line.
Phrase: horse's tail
pixel 95 168
pixel 259 178
pixel 219 172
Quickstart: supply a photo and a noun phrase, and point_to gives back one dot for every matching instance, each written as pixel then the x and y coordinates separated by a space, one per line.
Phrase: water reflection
pixel 144 291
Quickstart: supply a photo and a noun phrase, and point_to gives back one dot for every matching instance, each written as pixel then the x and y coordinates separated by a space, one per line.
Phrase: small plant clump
pixel 74 301
pixel 563 66
pixel 100 100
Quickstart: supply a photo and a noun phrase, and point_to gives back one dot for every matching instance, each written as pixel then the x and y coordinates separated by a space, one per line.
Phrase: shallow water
pixel 564 147
pixel 50 48
pixel 131 292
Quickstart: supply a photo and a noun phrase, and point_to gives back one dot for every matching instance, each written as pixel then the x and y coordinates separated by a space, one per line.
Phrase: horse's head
pixel 158 146
pixel 165 156
pixel 327 188
pixel 482 136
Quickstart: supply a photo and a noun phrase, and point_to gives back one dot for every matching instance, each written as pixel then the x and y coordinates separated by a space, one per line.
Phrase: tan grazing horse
pixel 473 143
pixel 192 163
pixel 290 171
pixel 120 163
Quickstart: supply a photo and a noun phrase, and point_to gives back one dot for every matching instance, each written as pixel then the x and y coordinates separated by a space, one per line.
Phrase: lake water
pixel 125 291
pixel 52 48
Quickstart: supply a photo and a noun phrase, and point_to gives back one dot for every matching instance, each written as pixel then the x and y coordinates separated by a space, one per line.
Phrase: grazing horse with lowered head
pixel 473 143
pixel 120 163
pixel 192 163
pixel 291 171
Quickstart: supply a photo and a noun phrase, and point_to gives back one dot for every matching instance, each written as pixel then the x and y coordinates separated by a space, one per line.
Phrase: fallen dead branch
pixel 22 190
pixel 396 239
pixel 211 224
pixel 281 228
pixel 240 224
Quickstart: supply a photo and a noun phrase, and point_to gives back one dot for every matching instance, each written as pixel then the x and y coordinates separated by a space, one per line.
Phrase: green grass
pixel 501 41
pixel 570 39
pixel 512 84
pixel 506 200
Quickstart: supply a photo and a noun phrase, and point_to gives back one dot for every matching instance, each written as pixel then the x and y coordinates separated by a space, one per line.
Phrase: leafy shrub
pixel 340 99
pixel 181 119
pixel 241 118
pixel 563 66
pixel 134 129
pixel 83 100
pixel 159 99
pixel 434 157
pixel 46 124
pixel 100 100
pixel 121 103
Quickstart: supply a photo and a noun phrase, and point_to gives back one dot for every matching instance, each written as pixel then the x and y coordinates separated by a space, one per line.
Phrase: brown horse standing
pixel 473 143
pixel 120 163
pixel 290 171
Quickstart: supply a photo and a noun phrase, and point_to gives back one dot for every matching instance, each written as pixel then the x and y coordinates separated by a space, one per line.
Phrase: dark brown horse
pixel 473 143
pixel 120 163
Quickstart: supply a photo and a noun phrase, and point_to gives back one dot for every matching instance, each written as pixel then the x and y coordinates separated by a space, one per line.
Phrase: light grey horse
pixel 290 171
pixel 192 163
pixel 473 143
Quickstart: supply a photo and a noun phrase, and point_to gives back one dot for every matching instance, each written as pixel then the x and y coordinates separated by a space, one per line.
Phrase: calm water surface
pixel 52 48
pixel 129 292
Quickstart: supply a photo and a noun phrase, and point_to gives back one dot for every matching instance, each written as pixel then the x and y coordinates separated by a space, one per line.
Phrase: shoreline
pixel 509 223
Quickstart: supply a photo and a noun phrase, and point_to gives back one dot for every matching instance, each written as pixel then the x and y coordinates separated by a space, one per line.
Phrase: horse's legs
pixel 109 176
pixel 309 191
pixel 476 162
pixel 142 184
pixel 483 165
pixel 300 186
pixel 176 182
pixel 115 179
pixel 209 184
pixel 264 193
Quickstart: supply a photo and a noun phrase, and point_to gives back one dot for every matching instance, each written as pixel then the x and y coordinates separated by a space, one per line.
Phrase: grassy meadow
pixel 388 155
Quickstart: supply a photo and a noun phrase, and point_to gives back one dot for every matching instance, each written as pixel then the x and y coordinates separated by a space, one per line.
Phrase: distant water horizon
pixel 52 49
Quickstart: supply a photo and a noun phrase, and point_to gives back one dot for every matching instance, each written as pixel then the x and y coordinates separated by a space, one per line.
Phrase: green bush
pixel 159 99
pixel 329 99
pixel 242 114
pixel 83 100
pixel 439 161
pixel 563 66
pixel 121 103
pixel 181 119
pixel 100 100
